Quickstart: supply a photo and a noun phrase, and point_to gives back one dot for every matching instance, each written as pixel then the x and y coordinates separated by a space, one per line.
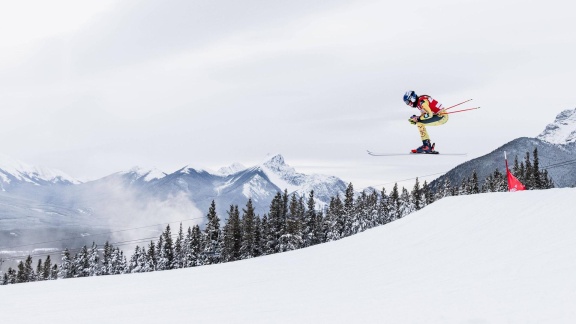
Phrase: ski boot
pixel 426 147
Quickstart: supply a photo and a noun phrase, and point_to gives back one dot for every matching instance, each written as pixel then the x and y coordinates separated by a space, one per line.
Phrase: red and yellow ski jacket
pixel 428 107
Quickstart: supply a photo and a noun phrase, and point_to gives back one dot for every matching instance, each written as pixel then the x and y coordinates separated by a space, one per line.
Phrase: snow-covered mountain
pixel 488 258
pixel 562 131
pixel 14 173
pixel 556 152
pixel 32 199
pixel 137 174
pixel 285 176
pixel 231 169
pixel 235 184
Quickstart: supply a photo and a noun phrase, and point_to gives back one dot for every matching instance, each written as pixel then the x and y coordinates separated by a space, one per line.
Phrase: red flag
pixel 513 183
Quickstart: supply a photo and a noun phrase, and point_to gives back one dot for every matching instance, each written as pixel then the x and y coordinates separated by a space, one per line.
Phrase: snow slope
pixel 489 258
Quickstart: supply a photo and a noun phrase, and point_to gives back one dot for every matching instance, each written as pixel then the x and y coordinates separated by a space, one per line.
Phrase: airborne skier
pixel 431 114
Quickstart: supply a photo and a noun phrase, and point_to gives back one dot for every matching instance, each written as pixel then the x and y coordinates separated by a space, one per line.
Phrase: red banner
pixel 513 183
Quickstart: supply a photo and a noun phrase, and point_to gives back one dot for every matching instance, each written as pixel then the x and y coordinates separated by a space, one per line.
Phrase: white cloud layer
pixel 96 89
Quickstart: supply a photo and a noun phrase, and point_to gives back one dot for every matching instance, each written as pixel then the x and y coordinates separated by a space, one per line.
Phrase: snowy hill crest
pixel 138 173
pixel 562 131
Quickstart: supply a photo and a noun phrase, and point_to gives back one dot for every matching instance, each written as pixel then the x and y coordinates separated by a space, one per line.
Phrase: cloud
pixel 179 82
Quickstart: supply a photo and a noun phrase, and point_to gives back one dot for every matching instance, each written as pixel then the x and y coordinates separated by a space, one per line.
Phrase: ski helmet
pixel 410 98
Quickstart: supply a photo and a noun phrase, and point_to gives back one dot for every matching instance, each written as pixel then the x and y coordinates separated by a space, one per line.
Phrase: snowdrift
pixel 488 258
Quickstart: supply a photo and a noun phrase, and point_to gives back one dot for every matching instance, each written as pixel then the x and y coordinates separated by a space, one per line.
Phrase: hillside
pixel 556 147
pixel 488 258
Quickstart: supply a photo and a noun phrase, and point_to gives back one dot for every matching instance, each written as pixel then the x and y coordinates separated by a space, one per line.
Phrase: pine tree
pixel 213 237
pixel 361 214
pixel 10 277
pixel 94 266
pixel 295 218
pixel 416 196
pixel 277 223
pixel 21 275
pixel 474 186
pixel 54 272
pixel 179 256
pixel 383 208
pixel 168 249
pixel 29 269
pixel 334 221
pixel 137 261
pixel 194 247
pixel 80 263
pixel 118 262
pixel 548 183
pixel 39 270
pixel 500 181
pixel 284 206
pixel 232 236
pixel 529 172
pixel 289 242
pixel 133 266
pixel 406 203
pixel 161 263
pixel 446 189
pixel 106 259
pixel 311 232
pixel 348 217
pixel 372 210
pixel 464 188
pixel 248 246
pixel 537 179
pixel 46 270
pixel 427 194
pixel 516 169
pixel 65 271
pixel 151 257
pixel 266 237
pixel 291 239
pixel 144 261
pixel 258 237
pixel 24 270
pixel 395 204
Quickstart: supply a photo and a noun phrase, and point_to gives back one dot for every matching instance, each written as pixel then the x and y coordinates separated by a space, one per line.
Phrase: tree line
pixel 292 222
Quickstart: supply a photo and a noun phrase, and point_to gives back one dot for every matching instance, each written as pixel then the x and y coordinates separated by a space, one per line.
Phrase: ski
pixel 410 153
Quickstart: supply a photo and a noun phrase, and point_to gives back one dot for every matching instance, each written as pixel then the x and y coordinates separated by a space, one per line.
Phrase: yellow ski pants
pixel 435 120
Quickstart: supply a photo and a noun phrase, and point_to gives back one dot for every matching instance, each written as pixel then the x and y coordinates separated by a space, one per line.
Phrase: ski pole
pixel 457 111
pixel 457 104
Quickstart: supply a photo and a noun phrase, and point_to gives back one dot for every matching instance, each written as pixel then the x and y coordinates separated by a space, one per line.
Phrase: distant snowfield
pixel 489 258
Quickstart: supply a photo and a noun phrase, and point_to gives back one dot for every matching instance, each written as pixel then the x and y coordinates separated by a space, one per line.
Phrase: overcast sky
pixel 95 87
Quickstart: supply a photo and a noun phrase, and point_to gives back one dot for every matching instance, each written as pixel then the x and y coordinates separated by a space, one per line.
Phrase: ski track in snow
pixel 488 258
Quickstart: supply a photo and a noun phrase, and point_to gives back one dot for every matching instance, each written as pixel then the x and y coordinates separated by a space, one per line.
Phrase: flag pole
pixel 513 183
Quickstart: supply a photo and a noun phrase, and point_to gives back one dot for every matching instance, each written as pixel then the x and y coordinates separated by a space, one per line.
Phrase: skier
pixel 431 114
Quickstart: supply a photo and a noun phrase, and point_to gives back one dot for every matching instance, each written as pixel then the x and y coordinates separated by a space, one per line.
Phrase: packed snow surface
pixel 487 258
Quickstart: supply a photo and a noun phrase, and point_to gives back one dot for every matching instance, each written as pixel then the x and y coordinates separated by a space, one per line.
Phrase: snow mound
pixel 487 258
